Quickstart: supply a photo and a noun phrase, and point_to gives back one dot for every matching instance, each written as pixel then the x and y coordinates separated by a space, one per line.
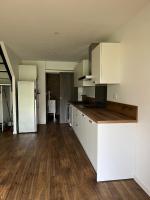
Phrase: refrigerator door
pixel 26 106
pixel 35 115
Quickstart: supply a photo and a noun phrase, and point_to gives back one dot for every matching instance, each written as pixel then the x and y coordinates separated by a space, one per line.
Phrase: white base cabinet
pixel 110 147
pixel 70 118
pixel 90 129
pixel 115 151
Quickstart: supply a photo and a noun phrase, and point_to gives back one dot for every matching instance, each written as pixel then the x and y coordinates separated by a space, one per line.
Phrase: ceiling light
pixel 56 33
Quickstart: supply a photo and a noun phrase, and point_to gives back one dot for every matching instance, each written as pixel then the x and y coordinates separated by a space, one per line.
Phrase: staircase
pixel 5 76
pixel 5 79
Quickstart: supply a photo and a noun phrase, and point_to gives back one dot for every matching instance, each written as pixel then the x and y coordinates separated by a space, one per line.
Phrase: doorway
pixel 52 95
pixel 6 117
pixel 59 91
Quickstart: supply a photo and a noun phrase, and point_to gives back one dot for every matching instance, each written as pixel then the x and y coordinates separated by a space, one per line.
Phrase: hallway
pixel 52 165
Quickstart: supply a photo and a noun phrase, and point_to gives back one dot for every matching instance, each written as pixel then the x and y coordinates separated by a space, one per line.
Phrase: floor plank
pixel 52 165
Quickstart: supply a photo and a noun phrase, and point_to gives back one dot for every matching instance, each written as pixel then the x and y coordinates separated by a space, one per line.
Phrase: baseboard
pixel 142 185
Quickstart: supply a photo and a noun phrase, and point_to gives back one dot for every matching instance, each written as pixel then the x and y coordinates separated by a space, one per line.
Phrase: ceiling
pixel 61 29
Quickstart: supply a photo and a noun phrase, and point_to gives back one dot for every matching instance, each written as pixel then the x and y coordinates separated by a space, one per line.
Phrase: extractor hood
pixel 89 76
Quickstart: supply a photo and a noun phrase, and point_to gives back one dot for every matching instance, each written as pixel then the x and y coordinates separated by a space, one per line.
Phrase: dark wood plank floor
pixel 52 165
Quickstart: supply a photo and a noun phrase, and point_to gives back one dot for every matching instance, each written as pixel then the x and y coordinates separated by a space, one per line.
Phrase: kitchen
pixel 99 149
pixel 102 126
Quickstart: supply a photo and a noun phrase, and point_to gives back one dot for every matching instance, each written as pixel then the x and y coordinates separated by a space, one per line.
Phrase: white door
pixel 26 106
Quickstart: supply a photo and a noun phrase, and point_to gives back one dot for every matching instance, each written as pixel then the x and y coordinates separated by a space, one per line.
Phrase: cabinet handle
pixel 91 121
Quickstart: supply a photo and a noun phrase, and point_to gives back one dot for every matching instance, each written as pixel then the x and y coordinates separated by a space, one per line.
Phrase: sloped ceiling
pixel 61 29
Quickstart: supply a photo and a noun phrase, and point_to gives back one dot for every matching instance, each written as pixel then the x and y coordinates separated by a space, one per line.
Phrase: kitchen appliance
pixel 27 108
pixel 52 108
pixel 89 76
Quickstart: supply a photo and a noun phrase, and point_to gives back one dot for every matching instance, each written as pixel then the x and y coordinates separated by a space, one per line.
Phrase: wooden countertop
pixel 104 115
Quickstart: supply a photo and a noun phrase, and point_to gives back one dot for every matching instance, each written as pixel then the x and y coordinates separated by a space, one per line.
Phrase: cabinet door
pixel 27 72
pixel 74 116
pixel 90 140
pixel 106 63
pixel 76 121
pixel 96 64
pixel 70 115
pixel 110 63
pixel 116 151
pixel 78 128
pixel 82 125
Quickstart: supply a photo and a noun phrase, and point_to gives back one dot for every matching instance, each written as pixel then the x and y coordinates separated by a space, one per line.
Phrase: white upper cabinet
pixel 27 72
pixel 82 69
pixel 106 63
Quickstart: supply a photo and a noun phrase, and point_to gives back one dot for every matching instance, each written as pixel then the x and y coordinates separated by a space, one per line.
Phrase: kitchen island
pixel 108 138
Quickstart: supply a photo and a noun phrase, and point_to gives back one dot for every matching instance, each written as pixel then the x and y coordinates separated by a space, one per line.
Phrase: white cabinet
pixel 89 137
pixel 86 131
pixel 82 69
pixel 27 72
pixel 109 147
pixel 79 130
pixel 116 151
pixel 106 66
pixel 70 120
pixel 75 120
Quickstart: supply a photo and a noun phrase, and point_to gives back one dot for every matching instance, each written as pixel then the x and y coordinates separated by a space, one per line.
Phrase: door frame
pixel 52 71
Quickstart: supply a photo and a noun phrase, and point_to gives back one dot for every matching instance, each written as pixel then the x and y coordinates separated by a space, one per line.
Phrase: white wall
pixel 43 67
pixel 134 88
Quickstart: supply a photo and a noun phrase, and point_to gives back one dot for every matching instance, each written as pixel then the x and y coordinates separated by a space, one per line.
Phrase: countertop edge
pixel 106 121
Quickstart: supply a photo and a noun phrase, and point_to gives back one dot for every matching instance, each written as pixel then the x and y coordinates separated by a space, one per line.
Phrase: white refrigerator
pixel 27 108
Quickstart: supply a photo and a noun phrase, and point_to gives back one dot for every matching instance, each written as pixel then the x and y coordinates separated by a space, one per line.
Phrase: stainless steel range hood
pixel 89 76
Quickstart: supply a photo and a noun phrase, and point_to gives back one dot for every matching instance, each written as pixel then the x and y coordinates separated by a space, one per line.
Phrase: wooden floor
pixel 52 165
